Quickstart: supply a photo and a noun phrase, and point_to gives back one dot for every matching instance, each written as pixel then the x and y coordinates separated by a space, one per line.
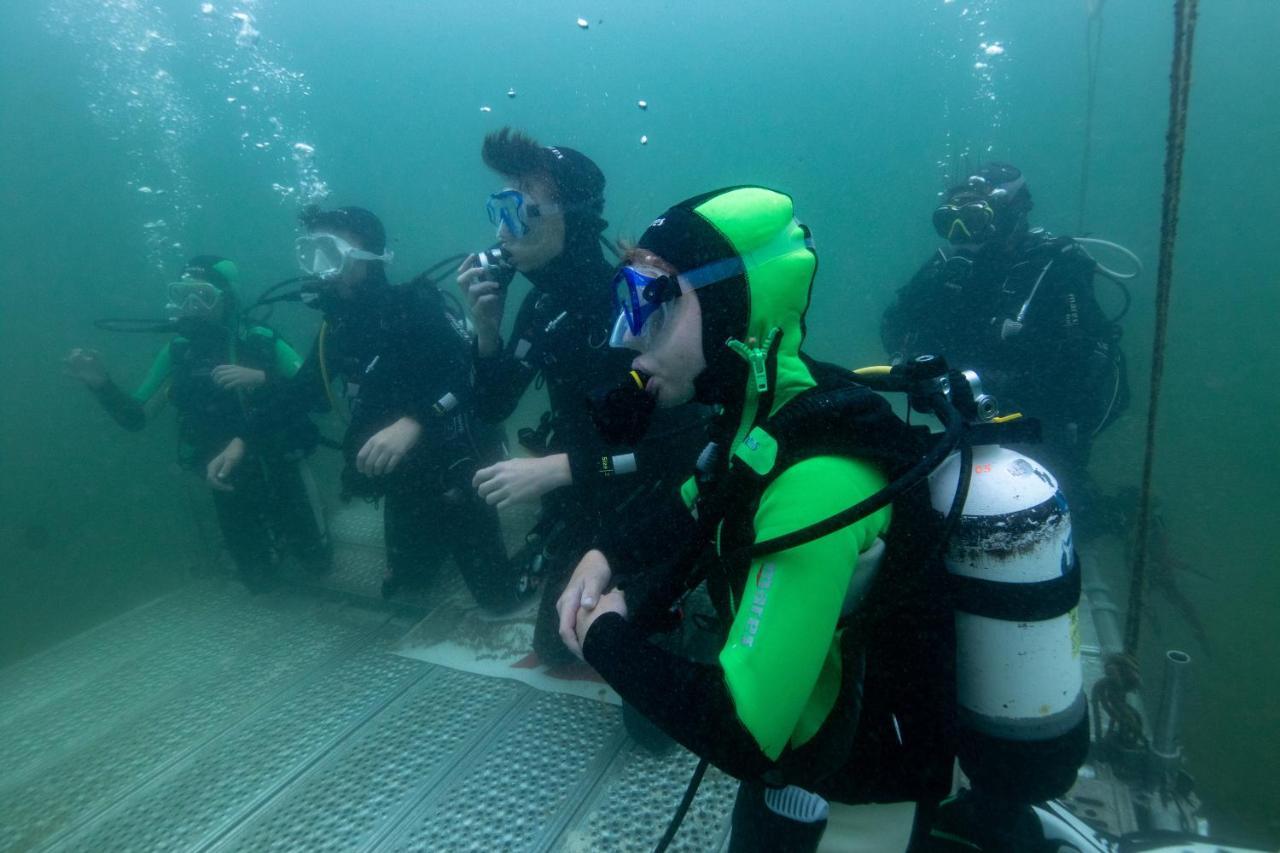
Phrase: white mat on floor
pixel 459 635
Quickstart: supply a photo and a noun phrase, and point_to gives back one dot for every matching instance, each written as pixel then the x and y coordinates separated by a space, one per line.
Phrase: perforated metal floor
pixel 214 720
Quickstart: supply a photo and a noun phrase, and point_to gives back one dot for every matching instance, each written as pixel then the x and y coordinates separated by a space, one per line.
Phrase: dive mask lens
pixel 191 298
pixel 506 209
pixel 322 255
pixel 964 223
pixel 642 296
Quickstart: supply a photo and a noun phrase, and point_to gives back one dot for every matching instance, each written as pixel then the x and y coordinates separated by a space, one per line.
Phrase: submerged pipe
pixel 1164 741
pixel 1102 607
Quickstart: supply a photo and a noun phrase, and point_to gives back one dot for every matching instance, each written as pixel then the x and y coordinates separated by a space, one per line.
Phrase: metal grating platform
pixel 212 720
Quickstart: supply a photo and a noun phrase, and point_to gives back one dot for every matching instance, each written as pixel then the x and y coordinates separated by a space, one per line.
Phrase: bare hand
pixel 514 481
pixel 487 300
pixel 233 377
pixel 86 365
pixel 610 602
pixel 387 448
pixel 220 468
pixel 589 580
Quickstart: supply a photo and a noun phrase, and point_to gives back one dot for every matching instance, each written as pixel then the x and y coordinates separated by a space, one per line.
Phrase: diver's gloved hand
pixel 220 468
pixel 514 481
pixel 386 448
pixel 233 377
pixel 487 299
pixel 86 365
pixel 587 584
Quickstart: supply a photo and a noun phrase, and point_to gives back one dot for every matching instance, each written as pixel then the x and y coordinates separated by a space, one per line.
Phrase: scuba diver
pixel 218 372
pixel 1017 304
pixel 549 227
pixel 837 679
pixel 405 369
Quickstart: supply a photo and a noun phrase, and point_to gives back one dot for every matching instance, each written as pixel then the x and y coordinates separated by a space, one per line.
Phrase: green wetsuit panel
pixel 782 658
pixel 161 367
pixel 287 360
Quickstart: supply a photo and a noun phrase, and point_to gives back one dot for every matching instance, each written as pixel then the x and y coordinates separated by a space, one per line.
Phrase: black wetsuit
pixel 269 507
pixel 1063 365
pixel 396 353
pixel 560 335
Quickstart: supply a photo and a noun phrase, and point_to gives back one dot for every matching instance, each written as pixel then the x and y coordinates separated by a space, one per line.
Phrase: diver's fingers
pixel 469 279
pixel 378 464
pixel 567 606
pixel 218 472
pixel 592 587
pixel 362 458
pixel 483 476
pixel 468 263
pixel 391 460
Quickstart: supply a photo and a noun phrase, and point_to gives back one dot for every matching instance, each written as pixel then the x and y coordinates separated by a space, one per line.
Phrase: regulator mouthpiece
pixel 497 265
pixel 622 413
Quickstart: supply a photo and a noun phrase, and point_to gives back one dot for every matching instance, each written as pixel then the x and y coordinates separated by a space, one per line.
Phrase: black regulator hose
pixel 135 324
pixel 963 479
pixel 686 801
pixel 266 297
pixel 953 435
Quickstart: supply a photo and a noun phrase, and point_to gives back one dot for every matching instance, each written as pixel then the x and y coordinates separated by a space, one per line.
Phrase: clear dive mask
pixel 327 255
pixel 644 295
pixel 510 209
pixel 972 222
pixel 191 299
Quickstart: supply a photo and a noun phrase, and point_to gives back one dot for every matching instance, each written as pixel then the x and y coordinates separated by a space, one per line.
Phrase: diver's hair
pixel 515 154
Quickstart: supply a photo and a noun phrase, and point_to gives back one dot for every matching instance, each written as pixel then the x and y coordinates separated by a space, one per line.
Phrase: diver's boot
pixel 777 820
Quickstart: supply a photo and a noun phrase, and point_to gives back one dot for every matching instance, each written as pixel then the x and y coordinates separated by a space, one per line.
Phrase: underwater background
pixel 136 134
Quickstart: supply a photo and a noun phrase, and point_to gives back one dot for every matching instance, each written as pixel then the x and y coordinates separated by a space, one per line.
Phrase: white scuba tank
pixel 1016 589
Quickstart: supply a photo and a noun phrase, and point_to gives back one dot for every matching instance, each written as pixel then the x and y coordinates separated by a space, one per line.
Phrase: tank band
pixel 1018 602
pixel 1028 728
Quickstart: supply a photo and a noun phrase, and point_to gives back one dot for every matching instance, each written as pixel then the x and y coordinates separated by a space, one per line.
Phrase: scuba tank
pixel 1015 585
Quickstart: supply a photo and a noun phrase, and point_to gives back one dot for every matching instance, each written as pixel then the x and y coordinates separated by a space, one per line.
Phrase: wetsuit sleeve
pixel 438 362
pixel 290 397
pixel 499 381
pixel 904 328
pixel 161 367
pixel 1079 360
pixel 128 409
pixel 742 714
pixel 287 361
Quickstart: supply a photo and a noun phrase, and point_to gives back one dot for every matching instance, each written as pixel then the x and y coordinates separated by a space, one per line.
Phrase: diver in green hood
pixel 217 371
pixel 827 686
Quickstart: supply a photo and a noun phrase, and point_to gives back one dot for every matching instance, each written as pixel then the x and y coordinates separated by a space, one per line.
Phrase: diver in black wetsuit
pixel 217 372
pixel 1017 305
pixel 405 369
pixel 549 225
